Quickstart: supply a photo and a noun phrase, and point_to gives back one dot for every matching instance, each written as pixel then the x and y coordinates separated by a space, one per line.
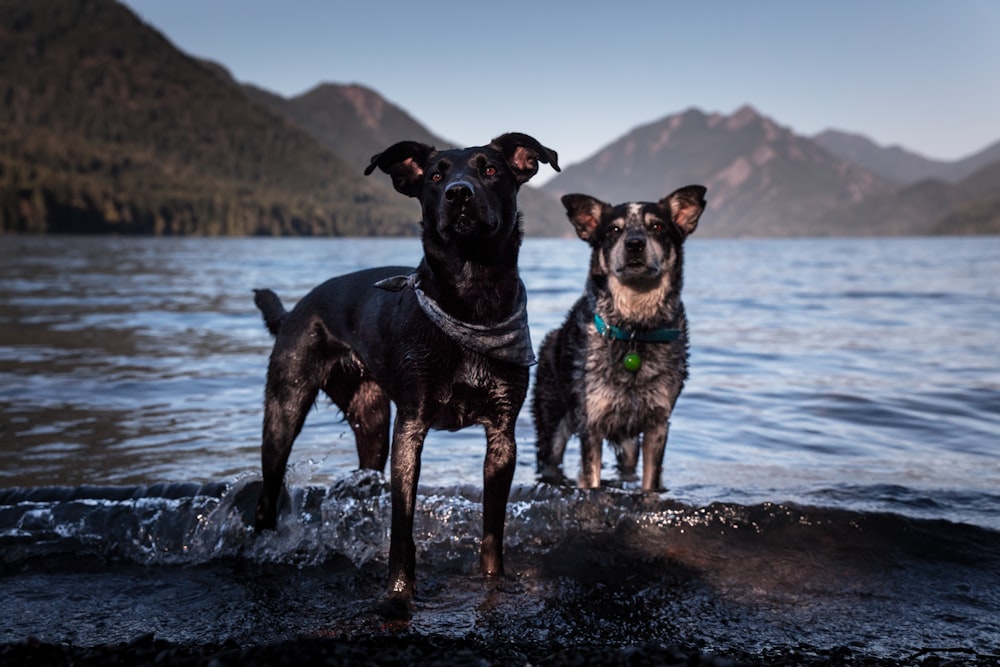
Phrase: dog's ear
pixel 685 206
pixel 585 213
pixel 523 153
pixel 405 163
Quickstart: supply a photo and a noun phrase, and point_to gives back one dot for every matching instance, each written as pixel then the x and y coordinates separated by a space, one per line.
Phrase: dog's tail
pixel 271 308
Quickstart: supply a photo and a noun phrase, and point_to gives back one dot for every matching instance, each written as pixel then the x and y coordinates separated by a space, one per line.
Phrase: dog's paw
pixel 395 608
pixel 549 474
pixel 244 500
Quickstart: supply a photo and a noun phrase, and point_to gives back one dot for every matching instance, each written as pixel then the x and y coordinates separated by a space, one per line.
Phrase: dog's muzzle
pixel 459 193
pixel 634 259
pixel 635 246
pixel 462 214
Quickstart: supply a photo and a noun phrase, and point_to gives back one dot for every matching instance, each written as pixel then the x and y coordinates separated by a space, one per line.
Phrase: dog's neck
pixel 482 289
pixel 505 338
pixel 627 307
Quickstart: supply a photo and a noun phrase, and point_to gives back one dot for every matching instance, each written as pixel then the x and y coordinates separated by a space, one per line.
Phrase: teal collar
pixel 650 336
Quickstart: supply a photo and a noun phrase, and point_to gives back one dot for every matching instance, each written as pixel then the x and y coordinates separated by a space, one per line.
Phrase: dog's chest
pixel 475 393
pixel 624 400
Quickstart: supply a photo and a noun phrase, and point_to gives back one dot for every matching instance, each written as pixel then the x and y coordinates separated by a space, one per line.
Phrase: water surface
pixel 832 462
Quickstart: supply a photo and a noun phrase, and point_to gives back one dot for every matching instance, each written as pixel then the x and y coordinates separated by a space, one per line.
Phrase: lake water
pixel 833 462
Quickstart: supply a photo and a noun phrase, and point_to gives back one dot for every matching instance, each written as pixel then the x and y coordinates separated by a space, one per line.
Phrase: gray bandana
pixel 508 341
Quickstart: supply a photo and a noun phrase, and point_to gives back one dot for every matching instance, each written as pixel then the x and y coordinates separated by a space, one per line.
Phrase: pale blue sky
pixel 578 75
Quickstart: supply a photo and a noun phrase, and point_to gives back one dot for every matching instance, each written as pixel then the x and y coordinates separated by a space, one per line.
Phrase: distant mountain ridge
pixel 356 122
pixel 762 179
pixel 931 206
pixel 351 120
pixel 935 197
pixel 900 166
pixel 106 127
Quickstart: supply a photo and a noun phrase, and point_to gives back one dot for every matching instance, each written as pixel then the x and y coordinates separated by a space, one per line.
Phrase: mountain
pixel 352 121
pixel 762 179
pixel 356 122
pixel 932 206
pixel 977 210
pixel 899 166
pixel 979 217
pixel 106 126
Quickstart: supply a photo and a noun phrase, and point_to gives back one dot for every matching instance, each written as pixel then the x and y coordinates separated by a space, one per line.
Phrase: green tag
pixel 632 362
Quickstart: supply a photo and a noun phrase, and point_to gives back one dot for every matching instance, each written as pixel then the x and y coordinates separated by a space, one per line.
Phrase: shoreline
pixel 409 648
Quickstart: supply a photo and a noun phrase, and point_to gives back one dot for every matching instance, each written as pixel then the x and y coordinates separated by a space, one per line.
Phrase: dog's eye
pixel 656 227
pixel 436 178
pixel 490 171
pixel 615 230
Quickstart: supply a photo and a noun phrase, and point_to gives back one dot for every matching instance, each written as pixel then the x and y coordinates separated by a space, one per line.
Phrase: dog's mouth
pixel 638 273
pixel 467 221
pixel 637 266
pixel 464 223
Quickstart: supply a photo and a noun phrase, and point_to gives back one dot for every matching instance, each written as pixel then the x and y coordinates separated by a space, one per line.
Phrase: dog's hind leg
pixel 292 386
pixel 366 409
pixel 551 446
pixel 654 444
pixel 368 414
pixel 283 419
pixel 550 412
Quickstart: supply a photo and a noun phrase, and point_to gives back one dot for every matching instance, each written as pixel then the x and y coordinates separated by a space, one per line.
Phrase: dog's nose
pixel 459 192
pixel 635 244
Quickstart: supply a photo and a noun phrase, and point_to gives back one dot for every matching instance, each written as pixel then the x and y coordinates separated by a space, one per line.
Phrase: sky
pixel 924 75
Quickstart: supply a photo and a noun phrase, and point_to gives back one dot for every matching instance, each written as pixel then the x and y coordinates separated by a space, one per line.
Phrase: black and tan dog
pixel 446 342
pixel 613 371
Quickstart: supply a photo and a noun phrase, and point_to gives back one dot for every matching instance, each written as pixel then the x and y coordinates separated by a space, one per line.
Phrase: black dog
pixel 615 368
pixel 446 342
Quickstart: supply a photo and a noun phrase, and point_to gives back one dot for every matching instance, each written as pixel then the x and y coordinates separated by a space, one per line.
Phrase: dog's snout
pixel 635 244
pixel 459 192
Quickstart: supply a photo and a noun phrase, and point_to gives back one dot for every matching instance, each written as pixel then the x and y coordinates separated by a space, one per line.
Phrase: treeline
pixel 106 127
pixel 88 190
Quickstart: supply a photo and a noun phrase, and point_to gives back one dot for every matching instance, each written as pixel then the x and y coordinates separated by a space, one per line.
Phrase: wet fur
pixel 581 385
pixel 365 347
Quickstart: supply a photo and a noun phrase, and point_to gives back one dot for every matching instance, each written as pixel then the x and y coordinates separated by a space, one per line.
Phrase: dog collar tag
pixel 632 362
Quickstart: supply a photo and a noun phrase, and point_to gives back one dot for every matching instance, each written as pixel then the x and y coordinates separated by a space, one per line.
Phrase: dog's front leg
pixel 627 453
pixel 591 444
pixel 654 443
pixel 408 437
pixel 498 473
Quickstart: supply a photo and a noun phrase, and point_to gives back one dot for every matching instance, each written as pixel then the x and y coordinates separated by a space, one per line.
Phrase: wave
pixel 192 523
